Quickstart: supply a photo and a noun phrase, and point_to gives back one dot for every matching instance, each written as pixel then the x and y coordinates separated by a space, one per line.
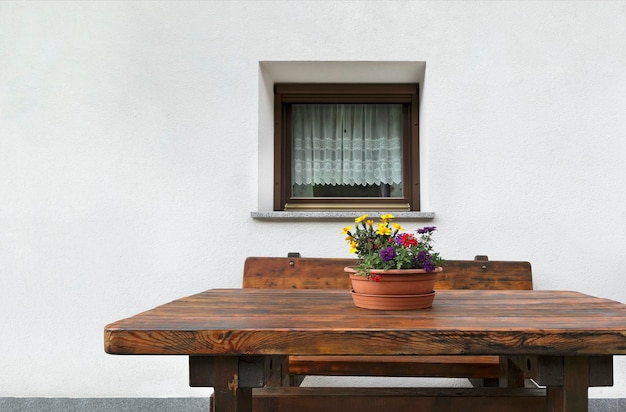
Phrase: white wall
pixel 129 155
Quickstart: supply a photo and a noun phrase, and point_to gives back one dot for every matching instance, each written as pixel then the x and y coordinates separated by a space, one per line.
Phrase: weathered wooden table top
pixel 301 322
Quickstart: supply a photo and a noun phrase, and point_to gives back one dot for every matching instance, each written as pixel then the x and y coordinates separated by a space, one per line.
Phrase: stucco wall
pixel 130 151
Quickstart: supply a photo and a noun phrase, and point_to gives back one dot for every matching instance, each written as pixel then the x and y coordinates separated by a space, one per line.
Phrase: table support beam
pixel 549 370
pixel 253 370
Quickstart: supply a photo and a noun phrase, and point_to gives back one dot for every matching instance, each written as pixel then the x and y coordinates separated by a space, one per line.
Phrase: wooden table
pixel 564 340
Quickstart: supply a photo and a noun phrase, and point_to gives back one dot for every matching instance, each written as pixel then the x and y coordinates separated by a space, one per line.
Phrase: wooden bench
pixel 327 273
pixel 303 399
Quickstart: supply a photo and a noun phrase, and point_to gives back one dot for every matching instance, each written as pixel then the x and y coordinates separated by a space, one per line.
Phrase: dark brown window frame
pixel 288 93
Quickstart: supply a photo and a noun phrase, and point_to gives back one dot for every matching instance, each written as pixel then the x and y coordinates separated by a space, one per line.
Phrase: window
pixel 346 146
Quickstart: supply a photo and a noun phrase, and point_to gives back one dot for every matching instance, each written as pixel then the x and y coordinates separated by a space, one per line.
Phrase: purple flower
pixel 426 229
pixel 387 254
pixel 426 261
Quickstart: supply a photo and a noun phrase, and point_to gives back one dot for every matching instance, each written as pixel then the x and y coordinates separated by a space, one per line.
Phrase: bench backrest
pixel 327 273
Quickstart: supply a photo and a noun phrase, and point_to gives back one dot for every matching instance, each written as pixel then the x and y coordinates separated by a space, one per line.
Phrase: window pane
pixel 346 150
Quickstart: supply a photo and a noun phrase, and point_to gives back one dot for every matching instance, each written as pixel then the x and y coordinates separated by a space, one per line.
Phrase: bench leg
pixel 277 371
pixel 484 382
pixel 295 380
pixel 511 375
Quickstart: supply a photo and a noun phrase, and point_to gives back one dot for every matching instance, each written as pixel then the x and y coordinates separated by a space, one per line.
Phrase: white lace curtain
pixel 347 144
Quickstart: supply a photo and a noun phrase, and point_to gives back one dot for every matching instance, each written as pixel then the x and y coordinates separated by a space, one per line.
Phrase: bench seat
pixel 302 399
pixel 487 367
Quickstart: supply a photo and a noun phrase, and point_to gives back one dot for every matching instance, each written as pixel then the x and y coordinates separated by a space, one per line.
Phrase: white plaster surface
pixel 133 145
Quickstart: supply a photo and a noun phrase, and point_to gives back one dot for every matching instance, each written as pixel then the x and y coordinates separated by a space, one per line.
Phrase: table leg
pixel 229 396
pixel 573 394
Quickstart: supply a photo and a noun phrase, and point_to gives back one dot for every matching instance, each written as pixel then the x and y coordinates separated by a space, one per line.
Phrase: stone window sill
pixel 327 215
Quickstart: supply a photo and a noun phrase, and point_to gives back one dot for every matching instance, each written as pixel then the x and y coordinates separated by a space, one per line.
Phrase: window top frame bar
pixel 357 89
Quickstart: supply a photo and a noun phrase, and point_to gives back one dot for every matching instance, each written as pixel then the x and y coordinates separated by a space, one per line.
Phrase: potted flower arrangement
pixel 393 264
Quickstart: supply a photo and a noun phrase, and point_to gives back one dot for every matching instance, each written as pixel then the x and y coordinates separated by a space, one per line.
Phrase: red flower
pixel 408 240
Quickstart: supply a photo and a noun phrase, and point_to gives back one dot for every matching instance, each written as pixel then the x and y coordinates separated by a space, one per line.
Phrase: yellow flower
pixel 360 218
pixel 383 229
pixel 370 223
pixel 346 230
pixel 397 226
pixel 387 217
pixel 353 246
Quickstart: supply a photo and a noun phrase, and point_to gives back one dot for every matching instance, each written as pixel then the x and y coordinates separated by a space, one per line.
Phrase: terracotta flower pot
pixel 393 302
pixel 394 281
pixel 398 289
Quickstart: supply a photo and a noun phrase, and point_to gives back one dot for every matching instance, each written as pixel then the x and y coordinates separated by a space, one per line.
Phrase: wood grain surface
pixel 327 273
pixel 326 322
